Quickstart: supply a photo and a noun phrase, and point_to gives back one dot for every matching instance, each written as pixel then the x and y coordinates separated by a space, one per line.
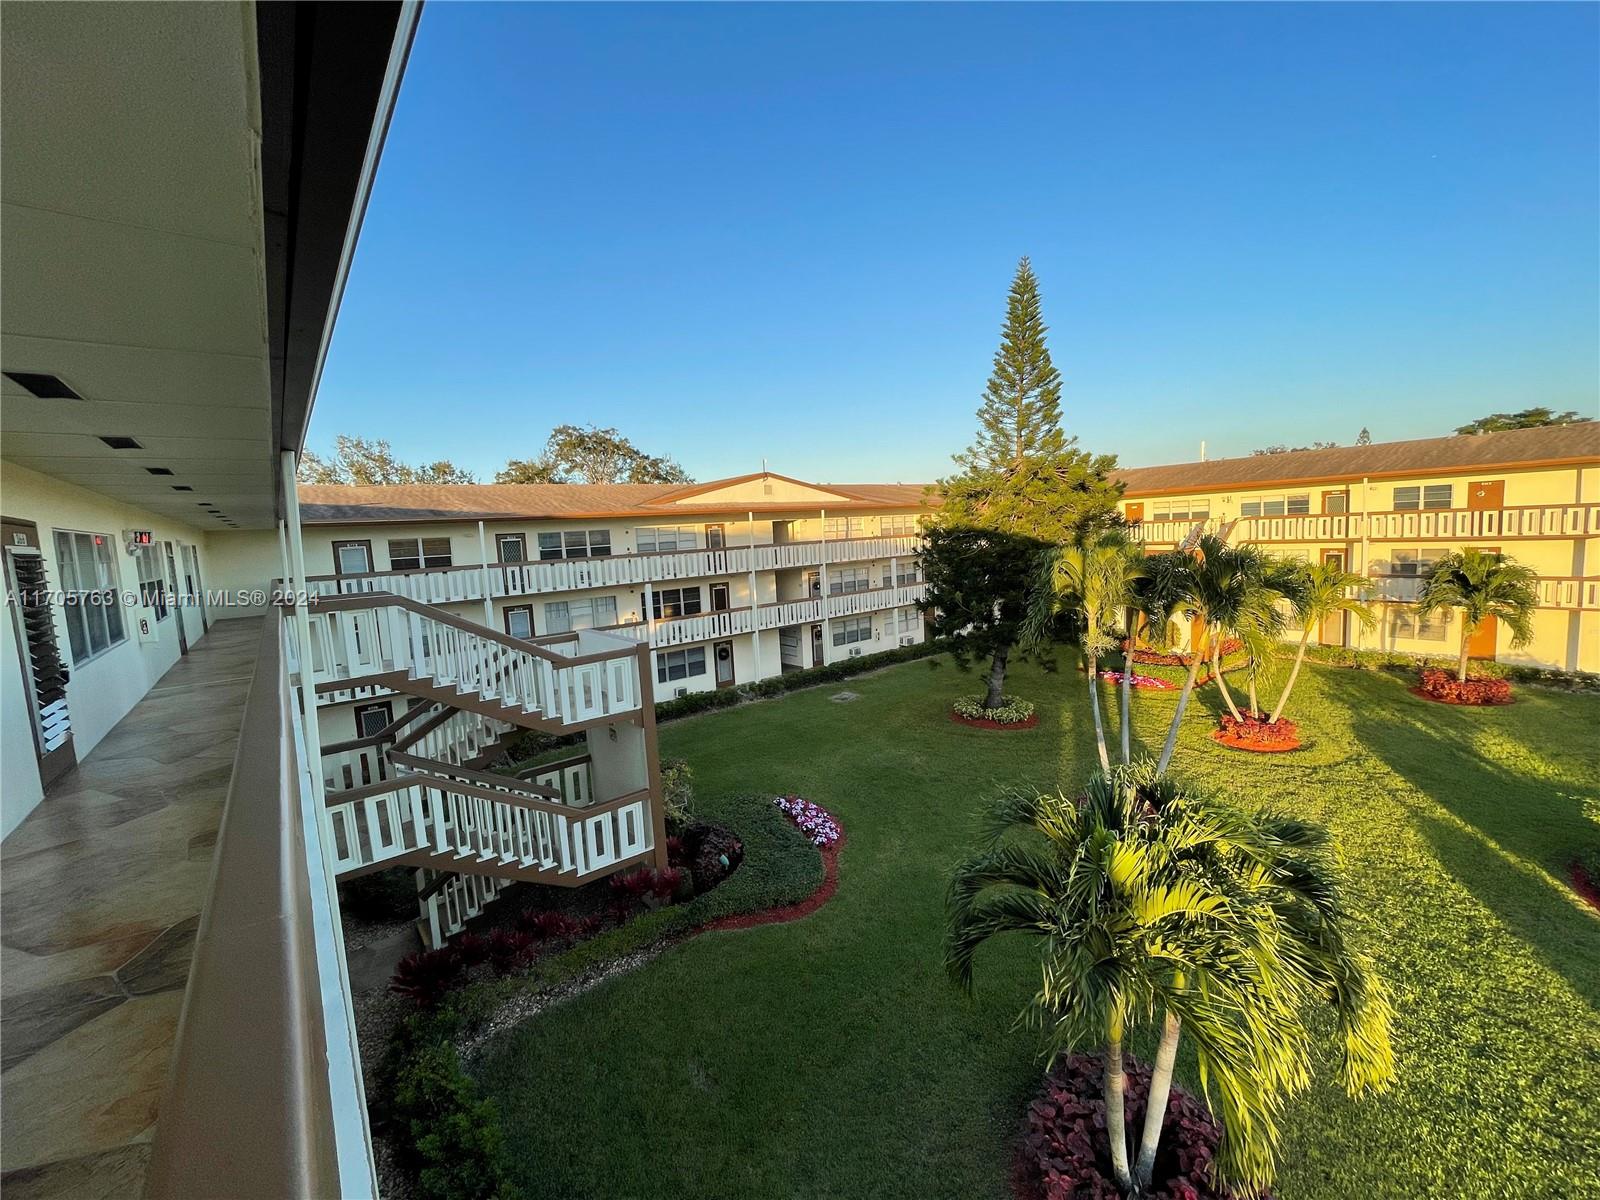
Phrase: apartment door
pixel 1197 636
pixel 719 597
pixel 816 645
pixel 353 558
pixel 1487 493
pixel 1135 513
pixel 722 654
pixel 191 566
pixel 1336 503
pixel 813 580
pixel 44 674
pixel 178 598
pixel 1482 642
pixel 716 537
pixel 1335 629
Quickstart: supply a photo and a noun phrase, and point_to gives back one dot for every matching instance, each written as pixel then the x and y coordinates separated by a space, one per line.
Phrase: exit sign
pixel 141 537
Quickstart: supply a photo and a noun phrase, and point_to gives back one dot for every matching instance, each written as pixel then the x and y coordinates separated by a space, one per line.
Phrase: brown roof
pixel 1551 445
pixel 341 504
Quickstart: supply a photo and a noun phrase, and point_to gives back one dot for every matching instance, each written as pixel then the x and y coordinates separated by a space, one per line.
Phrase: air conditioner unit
pixel 908 640
pixel 855 651
pixel 679 693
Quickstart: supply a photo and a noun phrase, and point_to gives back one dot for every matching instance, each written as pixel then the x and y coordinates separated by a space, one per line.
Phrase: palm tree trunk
pixel 1255 705
pixel 1127 689
pixel 1222 684
pixel 1294 673
pixel 1094 705
pixel 1461 667
pixel 997 678
pixel 1116 1114
pixel 1155 1112
pixel 1177 717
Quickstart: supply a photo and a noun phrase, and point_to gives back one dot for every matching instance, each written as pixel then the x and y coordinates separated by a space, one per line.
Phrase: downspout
pixel 483 559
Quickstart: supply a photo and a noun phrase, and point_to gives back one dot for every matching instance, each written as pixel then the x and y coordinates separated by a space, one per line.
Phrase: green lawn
pixel 830 1058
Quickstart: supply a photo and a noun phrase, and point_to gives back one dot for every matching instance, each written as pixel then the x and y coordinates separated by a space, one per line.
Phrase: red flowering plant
pixel 1258 732
pixel 427 975
pixel 1443 685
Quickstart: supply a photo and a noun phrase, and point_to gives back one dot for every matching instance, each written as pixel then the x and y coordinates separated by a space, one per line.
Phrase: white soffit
pixel 131 257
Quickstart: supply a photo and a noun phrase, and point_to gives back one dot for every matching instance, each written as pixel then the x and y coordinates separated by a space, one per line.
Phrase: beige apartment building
pixel 1388 511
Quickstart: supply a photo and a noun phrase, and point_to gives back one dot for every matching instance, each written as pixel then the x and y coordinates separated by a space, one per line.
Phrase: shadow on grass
pixel 1510 839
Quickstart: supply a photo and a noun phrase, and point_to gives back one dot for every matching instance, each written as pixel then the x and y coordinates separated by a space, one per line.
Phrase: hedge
pixel 1399 660
pixel 790 681
pixel 449 1135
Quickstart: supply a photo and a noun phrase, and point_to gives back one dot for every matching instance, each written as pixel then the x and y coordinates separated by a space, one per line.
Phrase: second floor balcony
pixel 1438 524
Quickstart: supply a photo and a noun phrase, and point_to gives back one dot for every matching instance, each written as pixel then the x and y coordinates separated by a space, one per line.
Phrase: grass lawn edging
pixel 448 1133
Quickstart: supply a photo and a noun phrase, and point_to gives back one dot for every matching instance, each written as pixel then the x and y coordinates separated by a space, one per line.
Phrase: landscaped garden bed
pixel 1475 691
pixel 1258 733
pixel 1012 713
pixel 1063 1152
pixel 1162 658
pixel 1142 682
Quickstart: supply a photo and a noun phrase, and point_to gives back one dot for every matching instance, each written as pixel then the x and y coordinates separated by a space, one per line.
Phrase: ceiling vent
pixel 182 487
pixel 159 470
pixel 121 443
pixel 46 387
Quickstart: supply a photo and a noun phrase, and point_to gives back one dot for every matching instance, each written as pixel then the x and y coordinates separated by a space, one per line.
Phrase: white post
pixel 1366 550
pixel 650 625
pixel 822 580
pixel 483 558
pixel 295 552
pixel 755 600
pixel 283 550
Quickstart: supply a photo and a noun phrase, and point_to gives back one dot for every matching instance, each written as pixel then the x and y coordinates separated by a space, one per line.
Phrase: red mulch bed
pixel 1588 888
pixel 1157 658
pixel 791 912
pixel 980 723
pixel 1477 692
pixel 1257 735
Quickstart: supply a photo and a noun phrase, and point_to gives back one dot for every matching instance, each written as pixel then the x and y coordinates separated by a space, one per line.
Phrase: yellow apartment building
pixel 1388 511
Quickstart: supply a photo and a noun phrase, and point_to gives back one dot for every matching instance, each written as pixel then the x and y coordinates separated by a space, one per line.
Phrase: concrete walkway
pixel 100 895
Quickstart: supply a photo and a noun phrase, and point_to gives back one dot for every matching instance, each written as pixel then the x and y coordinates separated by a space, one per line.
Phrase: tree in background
pixel 1364 438
pixel 1528 418
pixel 1022 486
pixel 1280 448
pixel 578 454
pixel 359 461
pixel 1481 584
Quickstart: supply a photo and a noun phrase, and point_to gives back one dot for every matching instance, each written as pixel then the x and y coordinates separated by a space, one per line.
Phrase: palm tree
pixel 1150 898
pixel 1091 578
pixel 1252 615
pixel 1325 590
pixel 1482 584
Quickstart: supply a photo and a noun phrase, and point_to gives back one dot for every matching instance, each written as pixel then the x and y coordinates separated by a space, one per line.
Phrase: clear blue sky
pixel 787 232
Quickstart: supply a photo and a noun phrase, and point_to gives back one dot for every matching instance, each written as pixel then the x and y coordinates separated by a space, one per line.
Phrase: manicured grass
pixel 830 1057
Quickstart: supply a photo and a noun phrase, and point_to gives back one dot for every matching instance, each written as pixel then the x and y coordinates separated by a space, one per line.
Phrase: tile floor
pixel 100 894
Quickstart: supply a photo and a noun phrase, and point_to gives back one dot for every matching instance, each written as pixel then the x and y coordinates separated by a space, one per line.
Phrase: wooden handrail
pixel 486 778
pixel 422 731
pixel 560 764
pixel 386 734
pixel 515 799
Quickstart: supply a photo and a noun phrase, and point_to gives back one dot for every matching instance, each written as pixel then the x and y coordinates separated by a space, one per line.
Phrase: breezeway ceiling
pixel 131 256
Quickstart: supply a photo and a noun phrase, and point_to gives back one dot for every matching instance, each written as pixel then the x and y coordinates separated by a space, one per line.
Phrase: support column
pixel 822 584
pixel 483 559
pixel 650 628
pixel 1366 547
pixel 755 602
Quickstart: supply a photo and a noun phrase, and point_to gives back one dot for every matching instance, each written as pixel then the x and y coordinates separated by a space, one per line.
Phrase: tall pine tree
pixel 1022 486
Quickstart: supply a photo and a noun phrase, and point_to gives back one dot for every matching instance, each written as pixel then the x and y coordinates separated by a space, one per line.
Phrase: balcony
pixel 1561 593
pixel 705 627
pixel 452 585
pixel 1427 525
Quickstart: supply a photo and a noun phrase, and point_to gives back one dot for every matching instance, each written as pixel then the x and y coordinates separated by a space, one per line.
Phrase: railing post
pixel 755 600
pixel 483 559
pixel 822 581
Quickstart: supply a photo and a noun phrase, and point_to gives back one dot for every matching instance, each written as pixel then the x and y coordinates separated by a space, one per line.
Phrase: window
pixel 1407 499
pixel 675 602
pixel 680 664
pixel 848 579
pixel 352 558
pixel 373 719
pixel 908 620
pixel 1298 505
pixel 89 581
pixel 899 525
pixel 1272 506
pixel 834 528
pixel 852 629
pixel 1181 510
pixel 1432 628
pixel 1411 562
pixel 1438 495
pixel 909 573
pixel 152 583
pixel 413 554
pixel 1335 503
pixel 519 621
pixel 656 539
pixel 575 543
pixel 563 616
pixel 511 547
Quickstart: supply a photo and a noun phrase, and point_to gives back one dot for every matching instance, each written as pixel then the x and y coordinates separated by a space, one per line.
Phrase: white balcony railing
pixel 456 584
pixel 705 627
pixel 1428 525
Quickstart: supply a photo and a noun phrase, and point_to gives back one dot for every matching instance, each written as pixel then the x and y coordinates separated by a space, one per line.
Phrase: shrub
pixel 471 949
pixel 427 975
pixel 510 949
pixel 1065 1155
pixel 1256 730
pixel 1013 710
pixel 382 896
pixel 454 1140
pixel 677 791
pixel 1443 685
pixel 714 853
pixel 545 926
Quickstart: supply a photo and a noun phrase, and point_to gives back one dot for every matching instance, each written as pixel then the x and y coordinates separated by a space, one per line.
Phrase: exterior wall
pixel 243 563
pixel 101 690
pixel 1564 638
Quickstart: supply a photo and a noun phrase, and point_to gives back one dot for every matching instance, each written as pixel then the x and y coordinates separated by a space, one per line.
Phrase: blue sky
pixel 747 232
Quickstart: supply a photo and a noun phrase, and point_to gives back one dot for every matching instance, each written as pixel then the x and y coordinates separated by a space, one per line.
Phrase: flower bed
pixel 1256 732
pixel 1012 713
pixel 1149 682
pixel 1586 882
pixel 1158 658
pixel 1064 1153
pixel 1475 691
pixel 813 820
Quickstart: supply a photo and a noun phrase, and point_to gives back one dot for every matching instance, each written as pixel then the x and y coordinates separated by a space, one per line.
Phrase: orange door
pixel 1197 636
pixel 1487 493
pixel 1481 643
pixel 1334 628
pixel 1135 513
